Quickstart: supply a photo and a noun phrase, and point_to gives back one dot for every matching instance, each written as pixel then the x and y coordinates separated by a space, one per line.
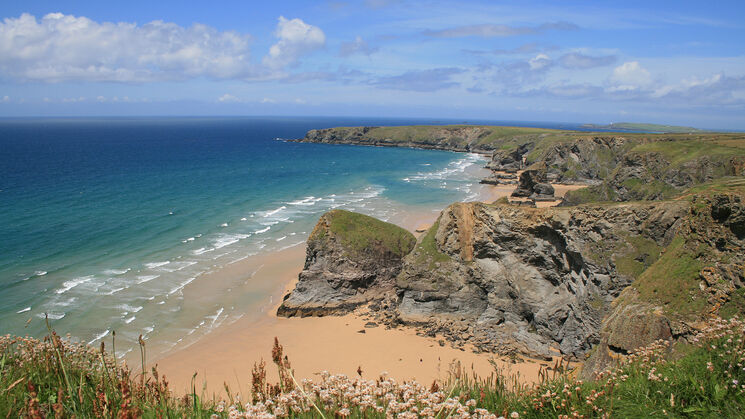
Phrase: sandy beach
pixel 338 344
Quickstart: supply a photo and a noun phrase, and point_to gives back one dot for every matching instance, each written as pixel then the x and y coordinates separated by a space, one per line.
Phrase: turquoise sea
pixel 106 223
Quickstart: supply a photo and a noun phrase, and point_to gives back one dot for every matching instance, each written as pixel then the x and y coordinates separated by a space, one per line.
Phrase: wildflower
pixel 514 415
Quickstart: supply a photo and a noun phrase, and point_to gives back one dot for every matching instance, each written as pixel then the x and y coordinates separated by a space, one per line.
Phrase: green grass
pixel 673 280
pixel 362 234
pixel 629 263
pixel 728 184
pixel 56 378
pixel 735 306
pixel 427 251
pixel 698 379
pixel 681 151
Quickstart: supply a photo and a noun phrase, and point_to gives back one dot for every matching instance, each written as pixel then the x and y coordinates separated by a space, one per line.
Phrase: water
pixel 106 223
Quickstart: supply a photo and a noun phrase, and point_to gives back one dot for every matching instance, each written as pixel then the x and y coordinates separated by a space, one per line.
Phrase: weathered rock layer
pixel 529 280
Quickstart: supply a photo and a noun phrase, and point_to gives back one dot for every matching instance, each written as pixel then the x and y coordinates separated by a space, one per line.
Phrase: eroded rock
pixel 351 259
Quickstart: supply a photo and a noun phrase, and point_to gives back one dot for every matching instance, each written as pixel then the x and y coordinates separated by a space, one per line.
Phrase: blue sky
pixel 667 62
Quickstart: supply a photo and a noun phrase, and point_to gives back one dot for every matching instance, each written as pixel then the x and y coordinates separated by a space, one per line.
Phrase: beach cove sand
pixel 313 344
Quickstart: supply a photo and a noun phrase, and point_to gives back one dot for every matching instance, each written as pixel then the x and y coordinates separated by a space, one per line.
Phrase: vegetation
pixel 360 234
pixel 641 252
pixel 699 379
pixel 673 280
pixel 427 250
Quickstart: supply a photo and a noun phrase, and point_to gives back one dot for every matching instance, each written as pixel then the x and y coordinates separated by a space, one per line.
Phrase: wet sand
pixel 314 344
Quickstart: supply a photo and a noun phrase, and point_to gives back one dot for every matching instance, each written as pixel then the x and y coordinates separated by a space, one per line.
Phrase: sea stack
pixel 351 259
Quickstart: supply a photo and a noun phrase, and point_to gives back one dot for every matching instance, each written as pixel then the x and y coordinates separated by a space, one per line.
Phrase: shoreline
pixel 338 344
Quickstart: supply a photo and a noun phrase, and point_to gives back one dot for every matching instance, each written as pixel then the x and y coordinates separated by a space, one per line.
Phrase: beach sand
pixel 315 344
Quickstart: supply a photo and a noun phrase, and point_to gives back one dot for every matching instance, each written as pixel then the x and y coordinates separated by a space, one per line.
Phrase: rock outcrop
pixel 701 273
pixel 351 259
pixel 533 184
pixel 509 161
pixel 643 174
pixel 530 280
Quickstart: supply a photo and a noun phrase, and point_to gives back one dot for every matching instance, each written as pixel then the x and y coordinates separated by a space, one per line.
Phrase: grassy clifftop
pixel 475 138
pixel 487 138
pixel 362 234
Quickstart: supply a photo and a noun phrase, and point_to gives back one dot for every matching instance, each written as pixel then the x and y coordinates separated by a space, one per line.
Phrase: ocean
pixel 106 222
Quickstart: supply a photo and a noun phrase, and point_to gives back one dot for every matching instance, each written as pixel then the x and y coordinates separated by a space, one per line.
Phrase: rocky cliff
pixel 351 259
pixel 701 273
pixel 530 280
pixel 465 138
pixel 597 279
pixel 651 247
pixel 618 167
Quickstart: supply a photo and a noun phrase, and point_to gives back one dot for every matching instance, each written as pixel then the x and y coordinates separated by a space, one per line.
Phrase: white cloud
pixel 630 76
pixel 228 98
pixel 268 100
pixel 539 62
pixel 62 47
pixel 6 99
pixel 296 38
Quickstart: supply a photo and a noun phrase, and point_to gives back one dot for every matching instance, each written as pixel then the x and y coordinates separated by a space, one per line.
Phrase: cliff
pixel 351 259
pixel 464 138
pixel 616 167
pixel 530 280
pixel 649 250
pixel 701 273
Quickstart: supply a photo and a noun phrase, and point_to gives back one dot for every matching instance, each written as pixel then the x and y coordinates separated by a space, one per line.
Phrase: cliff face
pixel 351 259
pixel 529 280
pixel 701 273
pixel 446 138
pixel 600 279
pixel 468 138
pixel 621 168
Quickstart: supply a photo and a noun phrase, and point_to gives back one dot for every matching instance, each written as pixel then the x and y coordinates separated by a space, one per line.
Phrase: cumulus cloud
pixel 577 61
pixel 358 46
pixel 630 76
pixel 493 30
pixel 296 38
pixel 718 88
pixel 62 47
pixel 420 81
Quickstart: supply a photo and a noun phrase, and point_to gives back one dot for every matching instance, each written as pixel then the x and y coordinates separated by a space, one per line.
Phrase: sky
pixel 671 62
